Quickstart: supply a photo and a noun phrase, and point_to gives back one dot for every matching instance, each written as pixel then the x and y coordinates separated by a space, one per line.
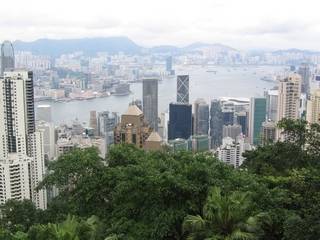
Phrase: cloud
pixel 286 27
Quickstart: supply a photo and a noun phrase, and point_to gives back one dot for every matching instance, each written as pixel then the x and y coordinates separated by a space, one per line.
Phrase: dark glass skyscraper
pixel 183 89
pixel 180 121
pixel 7 57
pixel 216 123
pixel 150 102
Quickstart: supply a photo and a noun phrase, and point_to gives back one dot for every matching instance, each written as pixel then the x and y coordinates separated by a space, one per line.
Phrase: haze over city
pixel 242 24
pixel 159 120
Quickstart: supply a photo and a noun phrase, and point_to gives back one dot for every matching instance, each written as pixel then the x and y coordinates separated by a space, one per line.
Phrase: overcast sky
pixel 241 24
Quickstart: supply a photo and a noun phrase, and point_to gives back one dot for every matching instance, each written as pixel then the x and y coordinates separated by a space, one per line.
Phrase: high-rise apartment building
pixel 289 97
pixel 304 71
pixel 272 104
pixel 183 89
pixel 21 146
pixel 216 123
pixel 180 121
pixel 150 102
pixel 268 132
pixel 257 116
pixel 313 108
pixel 231 151
pixel 132 129
pixel 7 57
pixel 201 117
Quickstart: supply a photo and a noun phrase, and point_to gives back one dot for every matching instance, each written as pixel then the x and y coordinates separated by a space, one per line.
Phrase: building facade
pixel 133 129
pixel 183 89
pixel 180 121
pixel 150 101
pixel 216 123
pixel 257 116
pixel 20 145
pixel 201 117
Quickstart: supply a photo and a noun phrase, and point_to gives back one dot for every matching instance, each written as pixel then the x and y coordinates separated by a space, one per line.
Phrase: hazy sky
pixel 240 23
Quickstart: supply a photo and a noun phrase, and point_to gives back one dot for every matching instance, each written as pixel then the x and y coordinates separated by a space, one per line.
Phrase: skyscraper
pixel 180 121
pixel 216 123
pixel 93 121
pixel 313 109
pixel 228 110
pixel 169 64
pixel 183 89
pixel 21 147
pixel 289 97
pixel 257 116
pixel 242 120
pixel 304 72
pixel 268 132
pixel 7 57
pixel 132 129
pixel 150 102
pixel 201 117
pixel 272 104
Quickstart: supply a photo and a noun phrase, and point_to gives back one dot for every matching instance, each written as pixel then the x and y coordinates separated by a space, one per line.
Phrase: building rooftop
pixel 154 137
pixel 133 110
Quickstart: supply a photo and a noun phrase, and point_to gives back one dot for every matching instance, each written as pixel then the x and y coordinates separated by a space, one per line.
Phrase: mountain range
pixel 112 45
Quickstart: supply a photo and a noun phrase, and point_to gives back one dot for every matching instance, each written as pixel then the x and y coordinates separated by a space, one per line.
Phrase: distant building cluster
pixel 225 127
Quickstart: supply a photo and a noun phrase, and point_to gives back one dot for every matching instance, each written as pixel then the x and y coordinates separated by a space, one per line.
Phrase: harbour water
pixel 205 82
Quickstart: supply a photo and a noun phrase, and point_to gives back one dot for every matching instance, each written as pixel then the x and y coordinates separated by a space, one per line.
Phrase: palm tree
pixel 224 218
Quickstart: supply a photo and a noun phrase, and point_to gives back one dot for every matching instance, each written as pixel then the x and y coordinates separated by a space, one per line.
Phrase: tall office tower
pixel 163 126
pixel 289 97
pixel 228 112
pixel 132 129
pixel 242 120
pixel 21 147
pixel 216 123
pixel 272 104
pixel 136 102
pixel 43 113
pixel 183 89
pixel 232 131
pixel 201 117
pixel 7 57
pixel 48 131
pixel 106 122
pixel 304 72
pixel 313 107
pixel 169 64
pixel 150 102
pixel 268 132
pixel 257 116
pixel 231 151
pixel 93 121
pixel 180 121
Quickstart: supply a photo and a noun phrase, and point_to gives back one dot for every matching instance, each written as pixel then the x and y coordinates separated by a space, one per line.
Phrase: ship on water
pixel 122 89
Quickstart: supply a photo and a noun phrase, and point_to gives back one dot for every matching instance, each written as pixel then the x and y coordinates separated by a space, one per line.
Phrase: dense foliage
pixel 137 195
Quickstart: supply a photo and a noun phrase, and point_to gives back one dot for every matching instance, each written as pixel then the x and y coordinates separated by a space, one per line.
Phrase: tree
pixel 19 215
pixel 224 217
pixel 78 176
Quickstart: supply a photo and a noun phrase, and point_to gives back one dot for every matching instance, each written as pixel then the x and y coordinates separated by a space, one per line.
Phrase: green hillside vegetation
pixel 137 195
